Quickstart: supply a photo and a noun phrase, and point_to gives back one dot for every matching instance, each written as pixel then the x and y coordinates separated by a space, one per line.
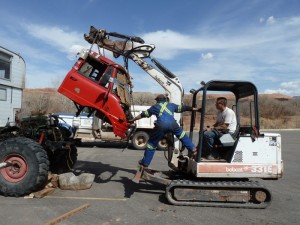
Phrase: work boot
pixel 213 157
pixel 141 164
pixel 194 153
pixel 139 172
pixel 210 157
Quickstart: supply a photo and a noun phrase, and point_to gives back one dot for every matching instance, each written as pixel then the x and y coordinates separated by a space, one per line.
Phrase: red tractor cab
pixel 102 87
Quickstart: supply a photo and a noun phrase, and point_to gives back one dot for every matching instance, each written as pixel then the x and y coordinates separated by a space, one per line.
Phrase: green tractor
pixel 29 150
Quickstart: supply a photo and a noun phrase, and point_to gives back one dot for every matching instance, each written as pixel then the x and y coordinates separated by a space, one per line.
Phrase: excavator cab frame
pixel 243 92
pixel 248 153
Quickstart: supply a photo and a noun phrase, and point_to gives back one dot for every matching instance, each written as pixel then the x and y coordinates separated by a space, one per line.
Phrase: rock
pixel 69 181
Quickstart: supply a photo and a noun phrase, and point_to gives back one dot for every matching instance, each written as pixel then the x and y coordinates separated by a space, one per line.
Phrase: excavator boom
pixel 135 49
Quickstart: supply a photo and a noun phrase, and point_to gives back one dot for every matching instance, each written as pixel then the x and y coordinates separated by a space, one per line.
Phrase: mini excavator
pixel 247 156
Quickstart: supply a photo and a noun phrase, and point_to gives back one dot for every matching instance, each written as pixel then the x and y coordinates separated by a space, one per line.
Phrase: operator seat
pixel 228 140
pixel 227 144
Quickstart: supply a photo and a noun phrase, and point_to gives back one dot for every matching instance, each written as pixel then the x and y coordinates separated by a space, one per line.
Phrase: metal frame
pixel 240 89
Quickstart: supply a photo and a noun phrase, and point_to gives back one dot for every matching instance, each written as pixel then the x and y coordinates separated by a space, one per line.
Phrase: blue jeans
pixel 209 139
pixel 159 131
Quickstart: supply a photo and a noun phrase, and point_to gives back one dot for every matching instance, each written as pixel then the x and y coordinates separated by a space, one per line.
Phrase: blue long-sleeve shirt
pixel 165 111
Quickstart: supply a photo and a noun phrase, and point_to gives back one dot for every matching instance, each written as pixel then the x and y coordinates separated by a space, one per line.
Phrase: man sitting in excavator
pixel 166 123
pixel 225 123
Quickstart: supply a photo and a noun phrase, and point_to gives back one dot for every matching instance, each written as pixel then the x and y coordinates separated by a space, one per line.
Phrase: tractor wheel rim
pixel 17 171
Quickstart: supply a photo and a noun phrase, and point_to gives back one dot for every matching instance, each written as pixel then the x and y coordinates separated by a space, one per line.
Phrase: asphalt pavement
pixel 115 199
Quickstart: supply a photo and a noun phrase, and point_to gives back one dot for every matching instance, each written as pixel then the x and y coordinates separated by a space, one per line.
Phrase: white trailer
pixel 12 83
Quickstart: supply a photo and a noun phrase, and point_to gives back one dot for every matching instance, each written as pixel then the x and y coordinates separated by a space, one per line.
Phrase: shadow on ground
pixel 105 173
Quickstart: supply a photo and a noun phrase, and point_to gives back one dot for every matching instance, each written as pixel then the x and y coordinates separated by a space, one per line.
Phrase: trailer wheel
pixel 140 139
pixel 63 160
pixel 29 171
pixel 162 144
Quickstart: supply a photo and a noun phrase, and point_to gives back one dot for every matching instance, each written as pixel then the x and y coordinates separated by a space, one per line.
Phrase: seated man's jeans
pixel 209 139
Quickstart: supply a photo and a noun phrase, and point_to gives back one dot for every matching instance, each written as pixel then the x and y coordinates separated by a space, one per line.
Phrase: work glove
pixel 130 121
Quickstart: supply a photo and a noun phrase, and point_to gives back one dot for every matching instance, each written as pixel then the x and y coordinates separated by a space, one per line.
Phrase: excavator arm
pixel 135 49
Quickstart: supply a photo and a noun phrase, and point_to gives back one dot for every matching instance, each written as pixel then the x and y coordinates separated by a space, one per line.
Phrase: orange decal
pixel 241 168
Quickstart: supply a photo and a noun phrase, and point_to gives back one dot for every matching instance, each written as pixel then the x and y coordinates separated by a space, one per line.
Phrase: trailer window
pixel 3 94
pixel 5 62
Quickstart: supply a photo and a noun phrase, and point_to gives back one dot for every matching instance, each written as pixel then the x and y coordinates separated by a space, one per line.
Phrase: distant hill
pixel 277 96
pixel 280 97
pixel 41 90
pixel 150 95
pixel 276 110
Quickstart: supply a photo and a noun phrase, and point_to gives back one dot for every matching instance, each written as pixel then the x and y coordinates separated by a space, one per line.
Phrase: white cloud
pixel 265 55
pixel 74 50
pixel 170 43
pixel 63 40
pixel 271 20
pixel 288 88
pixel 277 91
pixel 207 56
pixel 291 84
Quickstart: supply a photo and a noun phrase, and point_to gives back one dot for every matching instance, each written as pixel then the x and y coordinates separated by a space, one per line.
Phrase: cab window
pixel 93 69
pixel 104 81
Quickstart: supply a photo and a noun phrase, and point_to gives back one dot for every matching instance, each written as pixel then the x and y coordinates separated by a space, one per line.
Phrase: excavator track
pixel 230 194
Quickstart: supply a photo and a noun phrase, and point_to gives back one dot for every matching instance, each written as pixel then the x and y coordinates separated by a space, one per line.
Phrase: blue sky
pixel 255 40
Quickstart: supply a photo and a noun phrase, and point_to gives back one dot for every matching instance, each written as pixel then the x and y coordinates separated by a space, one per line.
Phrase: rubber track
pixel 211 185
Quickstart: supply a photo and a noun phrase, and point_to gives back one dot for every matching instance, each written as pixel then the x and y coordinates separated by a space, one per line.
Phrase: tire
pixel 29 172
pixel 140 139
pixel 63 160
pixel 162 144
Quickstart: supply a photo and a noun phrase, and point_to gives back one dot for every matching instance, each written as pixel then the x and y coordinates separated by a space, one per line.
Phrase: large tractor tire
pixel 63 160
pixel 140 139
pixel 29 172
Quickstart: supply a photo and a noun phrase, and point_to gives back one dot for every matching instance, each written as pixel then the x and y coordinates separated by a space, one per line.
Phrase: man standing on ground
pixel 166 123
